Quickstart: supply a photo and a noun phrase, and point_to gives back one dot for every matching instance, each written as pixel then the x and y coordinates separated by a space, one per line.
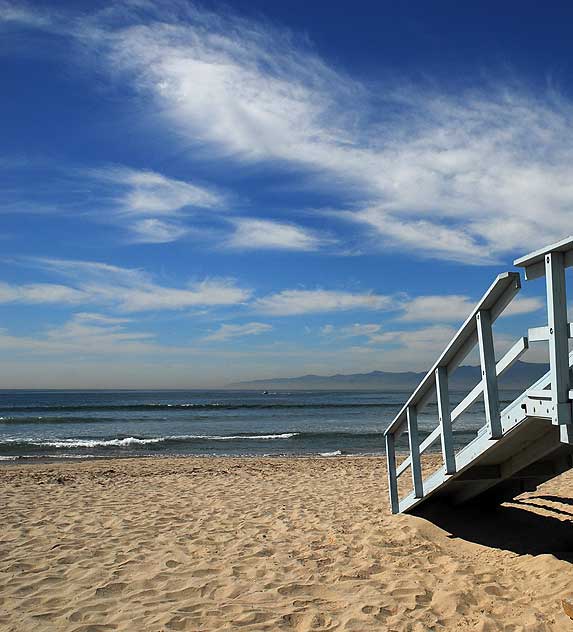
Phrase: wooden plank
pixel 538 334
pixel 539 394
pixel 558 336
pixel 538 468
pixel 566 433
pixel 538 255
pixel 512 355
pixel 533 451
pixel 427 442
pixel 495 310
pixel 527 449
pixel 534 262
pixel 480 473
pixel 515 408
pixel 497 297
pixel 445 420
pixel 537 270
pixel 392 478
pixel 415 452
pixel 489 375
pixel 403 466
pixel 508 360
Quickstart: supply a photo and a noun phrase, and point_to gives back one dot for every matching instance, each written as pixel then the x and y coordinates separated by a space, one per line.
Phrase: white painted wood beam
pixel 508 360
pixel 415 452
pixel 558 336
pixel 392 478
pixel 496 299
pixel 489 374
pixel 445 420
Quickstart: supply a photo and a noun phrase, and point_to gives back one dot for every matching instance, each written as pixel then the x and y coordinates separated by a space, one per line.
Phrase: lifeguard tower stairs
pixel 528 442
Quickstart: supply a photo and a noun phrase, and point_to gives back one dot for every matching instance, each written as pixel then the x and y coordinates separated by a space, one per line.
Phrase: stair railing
pixel 551 263
pixel 476 330
pixel 554 390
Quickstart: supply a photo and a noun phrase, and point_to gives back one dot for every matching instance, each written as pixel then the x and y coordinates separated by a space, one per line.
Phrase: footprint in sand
pixel 110 590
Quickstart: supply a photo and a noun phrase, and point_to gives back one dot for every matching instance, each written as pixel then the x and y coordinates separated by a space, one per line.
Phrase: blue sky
pixel 197 193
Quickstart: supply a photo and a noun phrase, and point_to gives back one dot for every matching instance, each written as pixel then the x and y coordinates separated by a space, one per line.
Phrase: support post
pixel 488 374
pixel 558 336
pixel 392 478
pixel 445 420
pixel 416 464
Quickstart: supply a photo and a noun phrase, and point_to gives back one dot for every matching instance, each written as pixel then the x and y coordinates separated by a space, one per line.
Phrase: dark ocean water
pixel 92 424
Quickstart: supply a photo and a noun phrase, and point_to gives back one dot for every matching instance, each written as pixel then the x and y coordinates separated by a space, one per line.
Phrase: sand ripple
pixel 275 544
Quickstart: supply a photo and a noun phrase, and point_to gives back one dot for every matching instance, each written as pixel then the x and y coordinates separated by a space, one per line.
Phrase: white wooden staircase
pixel 519 447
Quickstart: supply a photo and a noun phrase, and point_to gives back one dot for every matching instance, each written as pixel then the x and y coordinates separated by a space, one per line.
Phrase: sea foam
pixel 133 441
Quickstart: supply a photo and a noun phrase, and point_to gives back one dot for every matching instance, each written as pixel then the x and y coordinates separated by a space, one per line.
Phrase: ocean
pixel 96 424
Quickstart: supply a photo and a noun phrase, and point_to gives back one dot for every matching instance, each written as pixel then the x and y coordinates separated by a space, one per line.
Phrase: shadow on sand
pixel 514 526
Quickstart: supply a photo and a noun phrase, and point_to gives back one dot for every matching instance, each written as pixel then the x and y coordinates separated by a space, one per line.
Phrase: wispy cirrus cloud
pixel 126 289
pixel 156 231
pixel 84 333
pixel 262 234
pixel 466 177
pixel 295 302
pixel 35 293
pixel 356 330
pixel 144 192
pixel 447 308
pixel 150 206
pixel 226 332
pixel 147 206
pixel 91 332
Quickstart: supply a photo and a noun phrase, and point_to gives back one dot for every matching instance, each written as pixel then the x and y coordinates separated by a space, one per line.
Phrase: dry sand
pixel 274 544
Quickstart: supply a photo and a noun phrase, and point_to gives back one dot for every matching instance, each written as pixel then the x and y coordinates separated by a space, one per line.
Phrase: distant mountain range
pixel 521 375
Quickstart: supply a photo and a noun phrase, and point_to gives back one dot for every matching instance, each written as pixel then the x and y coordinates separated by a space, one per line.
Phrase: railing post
pixel 558 336
pixel 488 374
pixel 416 465
pixel 392 478
pixel 445 420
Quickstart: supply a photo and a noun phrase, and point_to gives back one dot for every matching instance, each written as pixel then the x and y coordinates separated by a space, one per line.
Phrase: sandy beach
pixel 269 544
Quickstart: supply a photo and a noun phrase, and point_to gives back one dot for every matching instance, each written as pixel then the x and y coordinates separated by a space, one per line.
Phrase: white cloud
pixel 156 231
pixel 149 193
pixel 100 318
pixel 422 237
pixel 356 330
pixel 128 290
pixel 440 308
pixel 141 200
pixel 41 293
pixel 21 14
pixel 293 302
pixel 225 332
pixel 152 207
pixel 448 308
pixel 428 342
pixel 467 178
pixel 95 332
pixel 261 234
pixel 84 334
pixel 524 305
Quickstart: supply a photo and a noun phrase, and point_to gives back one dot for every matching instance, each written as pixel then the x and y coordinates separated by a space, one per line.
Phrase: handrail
pixel 555 388
pixel 496 299
pixel 534 264
pixel 508 360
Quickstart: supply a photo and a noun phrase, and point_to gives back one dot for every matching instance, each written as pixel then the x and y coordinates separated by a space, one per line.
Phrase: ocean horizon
pixel 88 424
